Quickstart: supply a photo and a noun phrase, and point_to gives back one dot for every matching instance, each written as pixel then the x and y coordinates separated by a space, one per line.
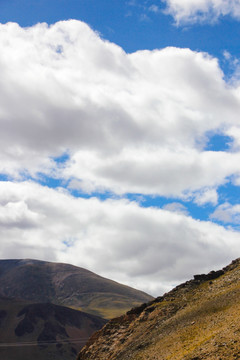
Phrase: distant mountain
pixel 67 285
pixel 43 331
pixel 197 320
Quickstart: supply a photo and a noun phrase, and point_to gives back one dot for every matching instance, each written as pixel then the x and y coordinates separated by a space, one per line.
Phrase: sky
pixel 120 136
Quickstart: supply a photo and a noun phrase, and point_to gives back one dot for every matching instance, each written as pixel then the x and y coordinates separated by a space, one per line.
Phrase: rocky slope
pixel 64 284
pixel 197 320
pixel 43 331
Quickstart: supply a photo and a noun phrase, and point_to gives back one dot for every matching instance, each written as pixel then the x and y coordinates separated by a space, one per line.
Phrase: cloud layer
pixel 129 122
pixel 191 11
pixel 152 249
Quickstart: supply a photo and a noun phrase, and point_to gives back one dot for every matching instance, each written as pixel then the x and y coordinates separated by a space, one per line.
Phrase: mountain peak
pixel 67 285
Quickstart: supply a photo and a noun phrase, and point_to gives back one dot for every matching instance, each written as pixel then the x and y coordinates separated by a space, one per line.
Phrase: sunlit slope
pixel 64 284
pixel 43 331
pixel 197 320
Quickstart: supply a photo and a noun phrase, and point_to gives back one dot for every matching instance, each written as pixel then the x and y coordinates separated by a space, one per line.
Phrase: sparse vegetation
pixel 195 321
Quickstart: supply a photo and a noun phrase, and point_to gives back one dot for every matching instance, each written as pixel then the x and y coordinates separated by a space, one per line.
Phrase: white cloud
pixel 154 8
pixel 234 133
pixel 227 55
pixel 176 207
pixel 17 215
pixel 153 171
pixel 144 18
pixel 129 122
pixel 191 11
pixel 149 248
pixel 227 213
pixel 207 196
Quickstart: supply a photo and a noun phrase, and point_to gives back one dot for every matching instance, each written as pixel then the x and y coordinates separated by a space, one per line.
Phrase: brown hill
pixel 43 331
pixel 68 285
pixel 197 320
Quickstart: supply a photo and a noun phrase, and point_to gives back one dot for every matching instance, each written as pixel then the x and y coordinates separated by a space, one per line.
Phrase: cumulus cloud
pixel 191 11
pixel 158 171
pixel 149 248
pixel 227 213
pixel 207 196
pixel 17 215
pixel 129 122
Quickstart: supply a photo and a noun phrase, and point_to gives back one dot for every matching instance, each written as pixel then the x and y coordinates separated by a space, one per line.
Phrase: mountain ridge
pixel 196 320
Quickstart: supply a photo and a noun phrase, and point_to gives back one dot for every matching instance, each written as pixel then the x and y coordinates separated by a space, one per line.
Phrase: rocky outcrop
pixel 211 276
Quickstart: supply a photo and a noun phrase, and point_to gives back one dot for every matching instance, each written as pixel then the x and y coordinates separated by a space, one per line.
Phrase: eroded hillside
pixel 197 320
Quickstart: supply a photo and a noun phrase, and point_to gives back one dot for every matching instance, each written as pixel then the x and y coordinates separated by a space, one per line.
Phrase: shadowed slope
pixel 43 331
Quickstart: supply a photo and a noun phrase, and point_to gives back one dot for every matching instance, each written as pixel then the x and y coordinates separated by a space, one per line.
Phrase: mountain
pixel 37 281
pixel 43 331
pixel 197 320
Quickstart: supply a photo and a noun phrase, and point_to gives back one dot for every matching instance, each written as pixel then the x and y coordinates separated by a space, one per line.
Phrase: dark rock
pixel 73 350
pixel 138 310
pixel 25 326
pixel 150 309
pixel 211 276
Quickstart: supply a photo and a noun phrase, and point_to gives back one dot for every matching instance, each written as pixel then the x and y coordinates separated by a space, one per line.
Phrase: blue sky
pixel 120 129
pixel 130 24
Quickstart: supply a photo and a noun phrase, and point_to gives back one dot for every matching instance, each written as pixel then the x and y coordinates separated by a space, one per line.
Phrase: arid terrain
pixel 197 320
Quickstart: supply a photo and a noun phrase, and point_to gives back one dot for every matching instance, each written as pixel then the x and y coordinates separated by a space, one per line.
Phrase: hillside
pixel 197 320
pixel 67 285
pixel 43 331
